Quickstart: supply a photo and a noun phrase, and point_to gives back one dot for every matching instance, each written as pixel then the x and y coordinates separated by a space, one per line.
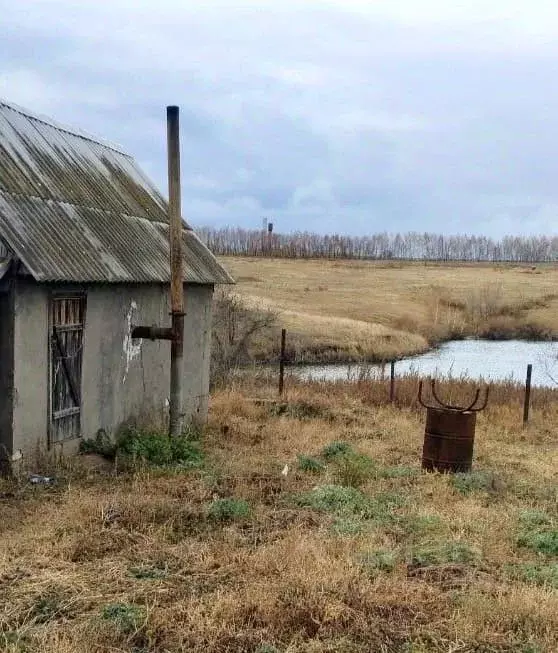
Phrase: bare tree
pixel 412 246
pixel 235 326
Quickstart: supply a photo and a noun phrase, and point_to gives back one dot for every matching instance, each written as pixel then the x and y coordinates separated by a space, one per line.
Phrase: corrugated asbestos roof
pixel 75 209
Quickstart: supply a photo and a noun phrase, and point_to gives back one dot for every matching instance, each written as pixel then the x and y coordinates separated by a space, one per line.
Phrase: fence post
pixel 527 401
pixel 282 361
pixel 392 383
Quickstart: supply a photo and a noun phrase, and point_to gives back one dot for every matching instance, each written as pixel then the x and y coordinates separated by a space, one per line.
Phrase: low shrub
pixel 152 447
pixel 157 448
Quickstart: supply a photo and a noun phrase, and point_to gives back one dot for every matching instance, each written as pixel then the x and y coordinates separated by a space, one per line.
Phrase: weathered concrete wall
pixel 6 372
pixel 124 377
pixel 31 367
pixel 121 378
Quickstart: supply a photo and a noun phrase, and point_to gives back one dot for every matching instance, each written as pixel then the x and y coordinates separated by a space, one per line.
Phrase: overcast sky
pixel 326 115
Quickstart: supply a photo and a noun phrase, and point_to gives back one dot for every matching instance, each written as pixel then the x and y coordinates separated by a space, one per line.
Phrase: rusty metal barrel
pixel 449 439
pixel 449 435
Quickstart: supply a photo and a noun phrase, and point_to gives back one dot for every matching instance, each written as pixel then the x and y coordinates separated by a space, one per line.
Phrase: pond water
pixel 476 359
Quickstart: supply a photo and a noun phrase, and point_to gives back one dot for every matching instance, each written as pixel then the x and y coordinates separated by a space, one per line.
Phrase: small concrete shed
pixel 84 255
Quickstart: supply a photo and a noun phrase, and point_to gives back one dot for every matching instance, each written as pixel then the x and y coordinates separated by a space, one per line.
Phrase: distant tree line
pixel 232 241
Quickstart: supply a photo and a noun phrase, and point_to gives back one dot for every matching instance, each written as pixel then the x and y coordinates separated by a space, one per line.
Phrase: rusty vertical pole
pixel 392 383
pixel 282 362
pixel 176 286
pixel 527 401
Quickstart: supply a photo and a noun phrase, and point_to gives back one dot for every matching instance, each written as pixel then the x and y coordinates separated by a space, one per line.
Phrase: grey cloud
pixel 324 115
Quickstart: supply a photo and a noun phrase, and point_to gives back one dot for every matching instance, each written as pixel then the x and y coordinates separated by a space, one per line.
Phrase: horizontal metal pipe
pixel 152 333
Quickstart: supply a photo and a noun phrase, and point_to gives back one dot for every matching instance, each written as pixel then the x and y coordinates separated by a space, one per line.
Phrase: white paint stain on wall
pixel 132 349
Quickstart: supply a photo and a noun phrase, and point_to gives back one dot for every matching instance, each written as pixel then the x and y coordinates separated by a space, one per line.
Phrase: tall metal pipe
pixel 177 284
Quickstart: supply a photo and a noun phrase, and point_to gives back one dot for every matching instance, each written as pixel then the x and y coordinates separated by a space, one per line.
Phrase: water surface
pixel 490 360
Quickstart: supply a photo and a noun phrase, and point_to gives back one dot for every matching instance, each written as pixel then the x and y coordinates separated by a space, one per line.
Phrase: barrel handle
pixel 448 406
pixel 420 398
pixel 477 409
pixel 471 408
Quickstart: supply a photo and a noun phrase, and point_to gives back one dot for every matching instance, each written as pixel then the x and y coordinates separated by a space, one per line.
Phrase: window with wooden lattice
pixel 66 345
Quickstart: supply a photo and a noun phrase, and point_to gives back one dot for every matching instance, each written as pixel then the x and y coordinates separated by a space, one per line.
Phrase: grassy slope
pixel 349 310
pixel 434 565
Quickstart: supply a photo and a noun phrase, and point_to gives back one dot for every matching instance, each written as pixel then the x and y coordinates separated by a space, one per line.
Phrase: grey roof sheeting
pixel 5 259
pixel 62 242
pixel 75 209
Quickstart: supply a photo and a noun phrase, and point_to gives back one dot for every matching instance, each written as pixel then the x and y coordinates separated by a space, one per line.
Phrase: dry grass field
pixel 355 310
pixel 353 550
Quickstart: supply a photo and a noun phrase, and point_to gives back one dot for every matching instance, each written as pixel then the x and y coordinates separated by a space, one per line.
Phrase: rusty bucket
pixel 449 435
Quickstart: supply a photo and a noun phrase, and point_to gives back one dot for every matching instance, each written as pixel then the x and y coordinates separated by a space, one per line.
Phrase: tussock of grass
pixel 476 481
pixel 352 506
pixel 228 509
pixel 354 469
pixel 544 541
pixel 336 499
pixel 375 561
pixel 538 532
pixel 398 471
pixel 267 648
pixel 416 525
pixel 334 449
pixel 48 607
pixel 532 518
pixel 351 468
pixel 126 617
pixel 536 573
pixel 443 553
pixel 309 464
pixel 348 526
